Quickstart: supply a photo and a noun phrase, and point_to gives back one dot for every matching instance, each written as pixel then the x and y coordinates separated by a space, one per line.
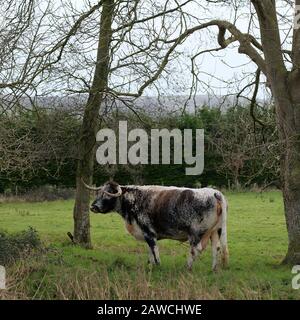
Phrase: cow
pixel 152 213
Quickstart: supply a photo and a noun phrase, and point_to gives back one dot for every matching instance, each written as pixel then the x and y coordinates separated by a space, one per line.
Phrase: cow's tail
pixel 223 233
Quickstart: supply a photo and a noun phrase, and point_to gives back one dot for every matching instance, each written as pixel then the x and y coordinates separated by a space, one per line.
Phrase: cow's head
pixel 107 197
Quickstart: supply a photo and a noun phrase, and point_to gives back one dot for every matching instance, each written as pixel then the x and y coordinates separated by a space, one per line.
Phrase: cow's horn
pixel 115 195
pixel 89 187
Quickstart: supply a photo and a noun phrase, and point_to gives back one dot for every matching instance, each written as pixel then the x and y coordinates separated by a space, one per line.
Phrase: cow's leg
pixel 153 249
pixel 198 243
pixel 196 249
pixel 216 247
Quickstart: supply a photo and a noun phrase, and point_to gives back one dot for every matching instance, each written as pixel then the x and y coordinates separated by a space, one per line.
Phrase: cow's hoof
pixel 216 269
pixel 189 267
pixel 189 263
pixel 152 263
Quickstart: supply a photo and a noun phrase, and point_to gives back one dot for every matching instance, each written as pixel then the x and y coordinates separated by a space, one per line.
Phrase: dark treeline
pixel 39 148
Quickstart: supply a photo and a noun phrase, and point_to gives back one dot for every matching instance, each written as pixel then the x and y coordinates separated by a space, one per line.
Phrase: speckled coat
pixel 152 213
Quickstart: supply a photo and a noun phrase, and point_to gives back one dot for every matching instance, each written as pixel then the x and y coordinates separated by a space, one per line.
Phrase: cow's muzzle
pixel 95 209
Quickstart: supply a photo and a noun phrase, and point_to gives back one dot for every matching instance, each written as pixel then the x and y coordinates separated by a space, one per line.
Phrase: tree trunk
pixel 90 126
pixel 287 101
pixel 289 126
pixel 236 178
pixel 285 88
pixel 291 196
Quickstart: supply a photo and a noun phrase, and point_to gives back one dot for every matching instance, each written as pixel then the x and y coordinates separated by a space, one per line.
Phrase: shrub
pixel 48 193
pixel 13 246
pixel 39 194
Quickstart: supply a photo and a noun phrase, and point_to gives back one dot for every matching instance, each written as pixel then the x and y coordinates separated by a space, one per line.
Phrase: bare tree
pixel 279 61
pixel 90 125
pixel 284 84
pixel 111 61
pixel 247 149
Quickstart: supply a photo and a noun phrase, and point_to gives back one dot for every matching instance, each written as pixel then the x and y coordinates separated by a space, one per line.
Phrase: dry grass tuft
pixel 29 279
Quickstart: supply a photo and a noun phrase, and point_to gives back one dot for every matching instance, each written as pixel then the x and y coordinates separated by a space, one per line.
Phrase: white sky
pixel 225 72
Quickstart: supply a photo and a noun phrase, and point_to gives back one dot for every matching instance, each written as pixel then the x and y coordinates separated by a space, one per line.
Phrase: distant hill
pixel 149 104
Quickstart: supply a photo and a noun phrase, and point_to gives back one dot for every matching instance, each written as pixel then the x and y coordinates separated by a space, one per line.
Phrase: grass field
pixel 117 267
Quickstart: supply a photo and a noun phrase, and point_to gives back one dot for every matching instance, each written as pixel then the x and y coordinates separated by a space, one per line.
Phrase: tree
pixel 281 68
pixel 89 127
pixel 248 153
pixel 131 21
pixel 285 85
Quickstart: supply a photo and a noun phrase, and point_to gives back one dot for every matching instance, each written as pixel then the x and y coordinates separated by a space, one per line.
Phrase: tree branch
pixel 236 35
pixel 253 99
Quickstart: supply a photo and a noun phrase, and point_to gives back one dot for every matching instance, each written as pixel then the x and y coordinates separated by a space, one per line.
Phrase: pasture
pixel 117 266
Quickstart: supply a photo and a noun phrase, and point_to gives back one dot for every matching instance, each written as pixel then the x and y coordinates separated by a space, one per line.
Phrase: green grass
pixel 117 268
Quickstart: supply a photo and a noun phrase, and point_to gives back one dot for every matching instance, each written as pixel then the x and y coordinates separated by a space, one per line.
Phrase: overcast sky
pixel 222 72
